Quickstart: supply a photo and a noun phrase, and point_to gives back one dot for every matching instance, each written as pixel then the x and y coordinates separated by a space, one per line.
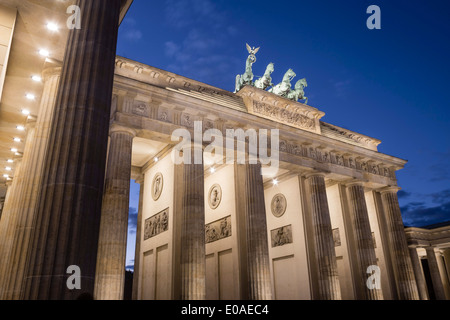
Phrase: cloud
pixel 417 215
pixel 441 197
pixel 403 194
pixel 129 30
pixel 132 220
pixel 201 52
pixel 133 35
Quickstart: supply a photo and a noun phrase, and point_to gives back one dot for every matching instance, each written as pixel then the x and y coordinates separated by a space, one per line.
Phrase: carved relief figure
pixel 279 205
pixel 215 196
pixel 281 236
pixel 157 186
pixel 340 160
pixel 218 230
pixel 156 225
pixel 351 163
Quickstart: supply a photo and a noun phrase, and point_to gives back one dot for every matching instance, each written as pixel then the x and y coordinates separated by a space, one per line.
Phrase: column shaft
pixel 329 287
pixel 418 272
pixel 447 261
pixel 435 275
pixel 193 247
pixel 254 265
pixel 6 224
pixel 68 218
pixel 32 164
pixel 404 273
pixel 365 250
pixel 112 243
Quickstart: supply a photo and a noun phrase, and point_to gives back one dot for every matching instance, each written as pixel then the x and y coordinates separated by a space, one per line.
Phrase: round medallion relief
pixel 215 196
pixel 157 186
pixel 279 205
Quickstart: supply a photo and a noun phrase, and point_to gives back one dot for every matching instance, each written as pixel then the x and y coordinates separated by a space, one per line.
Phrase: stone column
pixel 137 255
pixel 365 250
pixel 69 210
pixel 403 270
pixel 329 287
pixel 112 243
pixel 192 231
pixel 435 275
pixel 5 226
pixel 253 241
pixel 418 272
pixel 32 165
pixel 446 254
pixel 443 273
pixel 8 227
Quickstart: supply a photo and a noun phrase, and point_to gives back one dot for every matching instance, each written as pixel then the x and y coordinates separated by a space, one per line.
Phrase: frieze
pixel 218 230
pixel 156 225
pixel 281 236
pixel 284 115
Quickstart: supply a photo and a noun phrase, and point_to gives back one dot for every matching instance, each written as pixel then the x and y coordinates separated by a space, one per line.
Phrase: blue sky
pixel 390 84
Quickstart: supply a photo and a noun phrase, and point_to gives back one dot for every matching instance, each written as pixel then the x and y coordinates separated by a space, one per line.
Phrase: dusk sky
pixel 391 84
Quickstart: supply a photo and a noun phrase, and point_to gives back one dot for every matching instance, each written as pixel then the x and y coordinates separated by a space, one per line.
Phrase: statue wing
pixel 249 48
pixel 256 50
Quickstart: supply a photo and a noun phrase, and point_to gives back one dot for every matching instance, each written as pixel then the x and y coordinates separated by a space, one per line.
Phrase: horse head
pixel 290 74
pixel 301 84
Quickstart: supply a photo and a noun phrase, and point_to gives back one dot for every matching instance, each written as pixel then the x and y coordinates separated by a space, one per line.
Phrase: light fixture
pixel 10 161
pixel 212 170
pixel 8 169
pixel 17 140
pixel 44 53
pixel 21 128
pixel 52 26
pixel 36 78
pixel 156 159
pixel 26 112
pixel 30 96
pixel 275 182
pixel 6 176
pixel 14 150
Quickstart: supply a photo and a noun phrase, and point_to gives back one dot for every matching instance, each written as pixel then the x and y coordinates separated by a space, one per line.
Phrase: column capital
pixel 140 179
pixel 354 183
pixel 389 189
pixel 115 128
pixel 309 175
pixel 49 72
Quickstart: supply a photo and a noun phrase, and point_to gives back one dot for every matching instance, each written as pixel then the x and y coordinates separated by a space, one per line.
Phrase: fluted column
pixel 365 250
pixel 193 247
pixel 137 254
pixel 112 243
pixel 443 273
pixel 32 168
pixel 252 226
pixel 418 273
pixel 435 275
pixel 329 287
pixel 446 253
pixel 12 210
pixel 403 270
pixel 6 223
pixel 68 218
